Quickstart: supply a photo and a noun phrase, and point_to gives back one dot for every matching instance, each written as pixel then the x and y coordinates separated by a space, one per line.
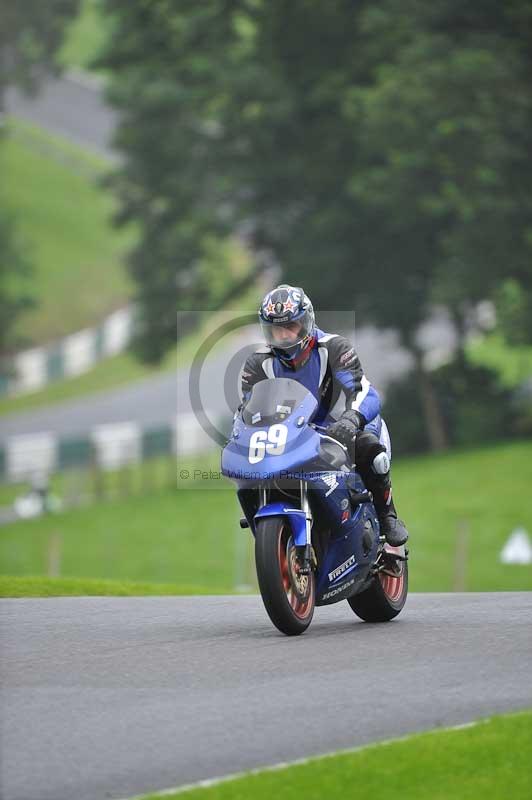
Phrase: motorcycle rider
pixel 328 366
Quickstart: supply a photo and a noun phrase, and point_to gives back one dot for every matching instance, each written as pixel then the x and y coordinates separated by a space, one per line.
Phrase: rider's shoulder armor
pixel 253 370
pixel 342 372
pixel 341 353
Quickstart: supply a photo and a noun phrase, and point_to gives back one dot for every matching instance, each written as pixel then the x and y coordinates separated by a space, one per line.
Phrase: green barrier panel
pixel 4 383
pixel 156 442
pixel 98 343
pixel 55 369
pixel 74 453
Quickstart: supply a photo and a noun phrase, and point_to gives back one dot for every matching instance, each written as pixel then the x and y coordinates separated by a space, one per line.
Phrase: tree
pixel 30 35
pixel 456 96
pixel 453 180
pixel 379 152
pixel 212 134
pixel 15 296
pixel 514 310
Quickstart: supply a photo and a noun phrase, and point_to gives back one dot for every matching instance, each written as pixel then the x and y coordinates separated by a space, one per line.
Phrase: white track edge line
pixel 207 782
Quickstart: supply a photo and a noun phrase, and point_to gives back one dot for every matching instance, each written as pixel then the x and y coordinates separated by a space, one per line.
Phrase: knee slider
pixel 381 464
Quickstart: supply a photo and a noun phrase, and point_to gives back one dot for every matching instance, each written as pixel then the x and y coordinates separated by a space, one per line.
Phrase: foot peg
pixel 390 563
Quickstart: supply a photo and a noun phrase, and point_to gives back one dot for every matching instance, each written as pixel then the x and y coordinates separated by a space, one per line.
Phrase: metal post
pixel 54 555
pixel 460 557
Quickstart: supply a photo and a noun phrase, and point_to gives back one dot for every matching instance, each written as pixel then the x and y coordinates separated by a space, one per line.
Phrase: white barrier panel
pixel 117 444
pixel 190 436
pixel 79 352
pixel 117 330
pixel 31 455
pixel 30 369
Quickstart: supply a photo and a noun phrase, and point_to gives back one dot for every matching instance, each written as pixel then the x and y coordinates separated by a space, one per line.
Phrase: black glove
pixel 346 428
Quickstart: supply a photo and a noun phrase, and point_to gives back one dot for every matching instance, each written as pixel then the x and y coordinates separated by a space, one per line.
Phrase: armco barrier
pixel 105 447
pixel 73 355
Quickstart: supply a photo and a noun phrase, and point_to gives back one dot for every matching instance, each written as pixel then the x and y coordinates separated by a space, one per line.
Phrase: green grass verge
pixel 64 217
pixel 482 492
pixel 40 586
pixel 179 537
pixel 489 760
pixel 191 535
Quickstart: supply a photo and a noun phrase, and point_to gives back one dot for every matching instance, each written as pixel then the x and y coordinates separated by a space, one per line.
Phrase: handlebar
pixel 332 439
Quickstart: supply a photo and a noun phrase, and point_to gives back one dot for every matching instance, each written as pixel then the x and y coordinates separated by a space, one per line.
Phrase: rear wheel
pixel 386 596
pixel 288 596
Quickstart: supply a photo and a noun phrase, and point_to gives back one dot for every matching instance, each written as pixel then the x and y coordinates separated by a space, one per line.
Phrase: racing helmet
pixel 287 323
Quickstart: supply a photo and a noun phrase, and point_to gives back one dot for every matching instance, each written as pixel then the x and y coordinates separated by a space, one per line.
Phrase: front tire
pixel 386 596
pixel 288 596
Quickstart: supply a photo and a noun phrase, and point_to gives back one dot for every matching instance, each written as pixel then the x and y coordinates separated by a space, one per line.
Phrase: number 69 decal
pixel 272 442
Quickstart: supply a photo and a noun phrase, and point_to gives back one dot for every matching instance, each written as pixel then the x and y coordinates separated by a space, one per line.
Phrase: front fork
pixel 305 553
pixel 306 558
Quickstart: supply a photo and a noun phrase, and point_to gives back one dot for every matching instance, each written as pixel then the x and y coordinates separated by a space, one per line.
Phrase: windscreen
pixel 273 400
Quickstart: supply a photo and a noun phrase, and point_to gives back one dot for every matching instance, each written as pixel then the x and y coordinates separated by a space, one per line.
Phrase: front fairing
pixel 271 437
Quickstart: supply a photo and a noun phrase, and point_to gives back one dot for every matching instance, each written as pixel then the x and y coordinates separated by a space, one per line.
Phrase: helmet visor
pixel 287 334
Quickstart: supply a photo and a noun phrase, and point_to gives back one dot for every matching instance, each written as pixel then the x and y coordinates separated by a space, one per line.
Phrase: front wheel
pixel 386 596
pixel 288 596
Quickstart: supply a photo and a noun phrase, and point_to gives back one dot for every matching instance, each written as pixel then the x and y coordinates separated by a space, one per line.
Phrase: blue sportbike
pixel 317 537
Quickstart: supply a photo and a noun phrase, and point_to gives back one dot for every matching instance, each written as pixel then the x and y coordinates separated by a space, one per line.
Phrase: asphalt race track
pixel 72 106
pixel 109 697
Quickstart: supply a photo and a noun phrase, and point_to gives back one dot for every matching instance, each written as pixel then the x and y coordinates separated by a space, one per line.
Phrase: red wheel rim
pixel 302 608
pixel 393 585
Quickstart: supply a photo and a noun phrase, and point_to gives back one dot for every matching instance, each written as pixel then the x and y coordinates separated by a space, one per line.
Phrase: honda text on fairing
pixel 317 534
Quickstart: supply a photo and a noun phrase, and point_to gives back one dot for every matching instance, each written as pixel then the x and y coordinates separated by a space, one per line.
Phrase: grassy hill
pixel 85 36
pixel 190 536
pixel 64 215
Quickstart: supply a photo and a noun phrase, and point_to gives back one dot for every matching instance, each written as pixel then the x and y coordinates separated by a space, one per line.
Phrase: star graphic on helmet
pixel 270 308
pixel 289 306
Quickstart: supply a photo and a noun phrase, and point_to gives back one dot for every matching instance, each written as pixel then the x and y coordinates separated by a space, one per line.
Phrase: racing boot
pixel 379 484
pixel 392 528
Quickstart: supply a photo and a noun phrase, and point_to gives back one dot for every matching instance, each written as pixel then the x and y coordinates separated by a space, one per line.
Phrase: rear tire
pixel 385 597
pixel 288 597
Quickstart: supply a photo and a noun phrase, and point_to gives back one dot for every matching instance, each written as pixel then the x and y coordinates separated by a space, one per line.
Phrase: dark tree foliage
pixel 30 33
pixel 474 406
pixel 15 292
pixel 230 124
pixel 379 151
